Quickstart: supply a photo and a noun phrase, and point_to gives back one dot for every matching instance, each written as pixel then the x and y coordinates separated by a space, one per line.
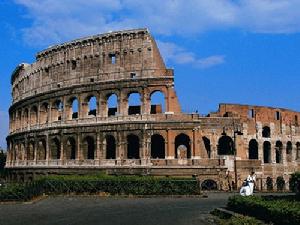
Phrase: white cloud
pixel 4 128
pixel 56 20
pixel 179 55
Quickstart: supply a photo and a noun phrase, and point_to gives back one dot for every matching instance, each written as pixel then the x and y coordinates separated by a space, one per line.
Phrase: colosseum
pixel 71 113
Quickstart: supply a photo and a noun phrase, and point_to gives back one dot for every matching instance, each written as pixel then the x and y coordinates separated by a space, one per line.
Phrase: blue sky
pixel 236 51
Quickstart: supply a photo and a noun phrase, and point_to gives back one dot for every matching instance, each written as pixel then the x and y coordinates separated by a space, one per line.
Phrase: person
pixel 251 179
pixel 245 189
pixel 229 180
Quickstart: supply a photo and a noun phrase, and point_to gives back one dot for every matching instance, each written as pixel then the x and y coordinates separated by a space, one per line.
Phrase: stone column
pixel 62 153
pixel 283 154
pixel 38 113
pixel 260 151
pixel 146 104
pixel 103 109
pixel 273 152
pixel 47 149
pixel 122 104
pixel 79 153
pixel 170 146
pixel 98 144
pixel 35 149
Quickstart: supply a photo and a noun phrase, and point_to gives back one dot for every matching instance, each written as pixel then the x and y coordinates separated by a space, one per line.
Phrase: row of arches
pixel 73 108
pixel 88 148
pixel 182 148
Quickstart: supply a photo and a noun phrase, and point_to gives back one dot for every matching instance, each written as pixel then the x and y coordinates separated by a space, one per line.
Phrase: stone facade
pixel 55 128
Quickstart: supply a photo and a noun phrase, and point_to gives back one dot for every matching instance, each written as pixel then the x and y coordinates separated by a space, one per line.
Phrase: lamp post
pixel 235 132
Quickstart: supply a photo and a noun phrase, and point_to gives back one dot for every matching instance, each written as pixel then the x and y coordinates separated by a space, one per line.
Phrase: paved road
pixel 113 211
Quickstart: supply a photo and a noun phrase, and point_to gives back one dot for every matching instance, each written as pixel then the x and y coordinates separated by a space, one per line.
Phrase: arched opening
pixel 110 147
pixel 44 113
pixel 289 151
pixel 206 142
pixel 71 148
pixel 33 115
pixel 57 110
pixel 280 183
pixel 73 110
pixel 269 183
pixel 92 102
pixel 133 147
pixel 25 118
pixel 225 146
pixel 253 149
pixel 266 132
pixel 134 103
pixel 209 185
pixel 182 146
pixel 297 150
pixel 30 151
pixel 278 152
pixel 41 150
pixel 267 152
pixel 157 99
pixel 112 104
pixel 157 146
pixel 89 148
pixel 55 148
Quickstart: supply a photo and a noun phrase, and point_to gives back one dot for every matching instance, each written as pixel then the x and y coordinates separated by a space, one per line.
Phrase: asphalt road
pixel 113 211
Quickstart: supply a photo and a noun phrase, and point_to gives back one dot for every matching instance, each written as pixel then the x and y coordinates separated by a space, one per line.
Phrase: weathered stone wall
pixel 49 135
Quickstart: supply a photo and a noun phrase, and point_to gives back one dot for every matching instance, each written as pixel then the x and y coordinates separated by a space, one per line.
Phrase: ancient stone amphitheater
pixel 72 113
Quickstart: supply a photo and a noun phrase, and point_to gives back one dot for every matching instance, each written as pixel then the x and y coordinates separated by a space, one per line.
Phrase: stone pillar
pixel 103 109
pixel 38 113
pixel 47 149
pixel 98 145
pixel 62 153
pixel 170 146
pixel 168 100
pixel 35 149
pixel 260 151
pixel 146 103
pixel 79 152
pixel 283 154
pixel 273 152
pixel 122 104
pixel 50 119
pixel 64 112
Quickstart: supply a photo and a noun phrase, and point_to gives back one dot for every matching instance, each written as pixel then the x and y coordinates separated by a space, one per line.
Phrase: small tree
pixel 2 159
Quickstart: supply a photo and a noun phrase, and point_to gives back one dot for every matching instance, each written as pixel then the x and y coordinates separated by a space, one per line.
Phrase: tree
pixel 2 159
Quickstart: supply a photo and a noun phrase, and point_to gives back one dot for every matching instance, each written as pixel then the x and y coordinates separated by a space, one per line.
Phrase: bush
pixel 281 212
pixel 20 192
pixel 114 185
pixel 295 182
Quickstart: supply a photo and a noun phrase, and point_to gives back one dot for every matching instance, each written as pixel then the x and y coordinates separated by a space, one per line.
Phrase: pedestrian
pixel 251 180
pixel 245 189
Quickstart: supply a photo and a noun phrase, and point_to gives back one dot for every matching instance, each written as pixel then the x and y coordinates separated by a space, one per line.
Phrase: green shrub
pixel 94 184
pixel 295 182
pixel 281 212
pixel 21 192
